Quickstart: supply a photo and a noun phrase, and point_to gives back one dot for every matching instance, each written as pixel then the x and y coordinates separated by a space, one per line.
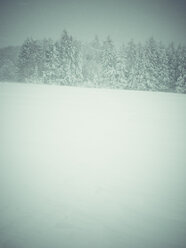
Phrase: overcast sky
pixel 165 20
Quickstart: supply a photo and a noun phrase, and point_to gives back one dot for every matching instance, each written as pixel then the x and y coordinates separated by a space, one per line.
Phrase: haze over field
pixel 91 168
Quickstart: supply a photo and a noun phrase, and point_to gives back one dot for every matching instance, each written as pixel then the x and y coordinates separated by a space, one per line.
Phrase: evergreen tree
pixel 140 69
pixel 70 70
pixel 163 69
pixel 51 62
pixel 121 80
pixel 108 63
pixel 181 70
pixel 130 64
pixel 30 61
pixel 172 66
pixel 151 65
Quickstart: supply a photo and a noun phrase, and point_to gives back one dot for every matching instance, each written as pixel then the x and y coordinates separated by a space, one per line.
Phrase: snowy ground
pixel 91 168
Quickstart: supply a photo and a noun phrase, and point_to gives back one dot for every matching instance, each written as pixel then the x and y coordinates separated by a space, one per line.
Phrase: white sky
pixel 122 19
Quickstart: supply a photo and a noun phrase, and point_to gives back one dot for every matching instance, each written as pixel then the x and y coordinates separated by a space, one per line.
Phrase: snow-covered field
pixel 91 168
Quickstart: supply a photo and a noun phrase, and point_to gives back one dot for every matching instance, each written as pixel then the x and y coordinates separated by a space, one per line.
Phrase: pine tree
pixel 172 66
pixel 140 69
pixel 24 63
pixel 30 61
pixel 108 63
pixel 151 65
pixel 121 80
pixel 130 64
pixel 163 69
pixel 70 70
pixel 76 63
pixel 181 70
pixel 51 62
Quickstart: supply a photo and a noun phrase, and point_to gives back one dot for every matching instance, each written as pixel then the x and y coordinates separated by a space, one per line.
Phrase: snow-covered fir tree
pixel 181 70
pixel 121 79
pixel 70 71
pixel 30 61
pixel 130 64
pixel 172 65
pixel 162 68
pixel 108 63
pixel 51 62
pixel 151 65
pixel 139 69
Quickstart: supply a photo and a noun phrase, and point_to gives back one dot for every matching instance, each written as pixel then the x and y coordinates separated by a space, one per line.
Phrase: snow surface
pixel 91 168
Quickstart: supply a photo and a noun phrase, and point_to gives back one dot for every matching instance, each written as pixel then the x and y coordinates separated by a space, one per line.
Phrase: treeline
pixel 8 63
pixel 151 66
